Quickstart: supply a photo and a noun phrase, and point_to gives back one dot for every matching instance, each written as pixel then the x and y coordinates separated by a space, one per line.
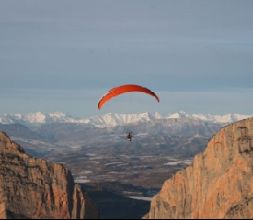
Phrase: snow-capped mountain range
pixel 113 120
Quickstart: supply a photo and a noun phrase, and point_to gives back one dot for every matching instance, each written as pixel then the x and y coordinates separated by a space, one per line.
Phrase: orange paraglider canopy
pixel 124 89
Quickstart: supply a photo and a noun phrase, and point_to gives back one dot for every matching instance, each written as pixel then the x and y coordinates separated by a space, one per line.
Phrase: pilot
pixel 130 136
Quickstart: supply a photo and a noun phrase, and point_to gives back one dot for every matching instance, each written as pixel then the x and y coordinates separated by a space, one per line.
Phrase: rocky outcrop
pixel 3 214
pixel 35 188
pixel 218 184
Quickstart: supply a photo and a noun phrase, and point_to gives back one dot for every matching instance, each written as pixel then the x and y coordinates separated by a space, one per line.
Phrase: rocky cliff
pixel 34 188
pixel 218 184
pixel 2 209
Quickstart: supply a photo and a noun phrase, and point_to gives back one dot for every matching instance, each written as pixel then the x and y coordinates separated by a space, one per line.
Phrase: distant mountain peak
pixel 180 114
pixel 114 119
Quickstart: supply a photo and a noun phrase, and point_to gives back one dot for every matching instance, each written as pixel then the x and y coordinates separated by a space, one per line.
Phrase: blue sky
pixel 63 55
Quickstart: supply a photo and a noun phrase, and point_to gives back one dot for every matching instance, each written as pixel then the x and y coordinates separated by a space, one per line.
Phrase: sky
pixel 58 55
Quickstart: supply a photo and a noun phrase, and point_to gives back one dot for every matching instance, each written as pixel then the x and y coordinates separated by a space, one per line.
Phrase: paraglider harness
pixel 130 136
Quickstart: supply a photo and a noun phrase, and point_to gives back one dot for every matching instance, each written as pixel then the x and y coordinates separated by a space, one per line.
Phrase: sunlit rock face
pixel 34 188
pixel 218 184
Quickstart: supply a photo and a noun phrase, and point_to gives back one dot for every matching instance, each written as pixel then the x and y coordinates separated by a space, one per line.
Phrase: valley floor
pixel 112 205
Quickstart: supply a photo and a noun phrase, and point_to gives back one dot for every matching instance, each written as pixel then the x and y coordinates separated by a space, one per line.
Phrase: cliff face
pixel 2 210
pixel 34 188
pixel 218 184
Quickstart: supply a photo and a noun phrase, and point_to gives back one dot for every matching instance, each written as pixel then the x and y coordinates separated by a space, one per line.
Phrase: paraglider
pixel 124 89
pixel 130 136
pixel 116 91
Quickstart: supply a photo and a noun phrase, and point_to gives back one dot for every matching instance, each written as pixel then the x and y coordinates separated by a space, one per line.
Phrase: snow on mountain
pixel 6 120
pixel 179 115
pixel 112 120
pixel 19 118
pixel 35 118
pixel 221 119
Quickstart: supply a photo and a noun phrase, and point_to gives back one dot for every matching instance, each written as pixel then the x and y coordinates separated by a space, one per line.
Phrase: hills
pixel 218 183
pixel 100 156
pixel 98 152
pixel 106 149
pixel 161 144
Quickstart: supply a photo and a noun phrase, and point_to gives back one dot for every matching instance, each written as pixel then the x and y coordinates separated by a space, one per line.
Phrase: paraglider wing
pixel 124 89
